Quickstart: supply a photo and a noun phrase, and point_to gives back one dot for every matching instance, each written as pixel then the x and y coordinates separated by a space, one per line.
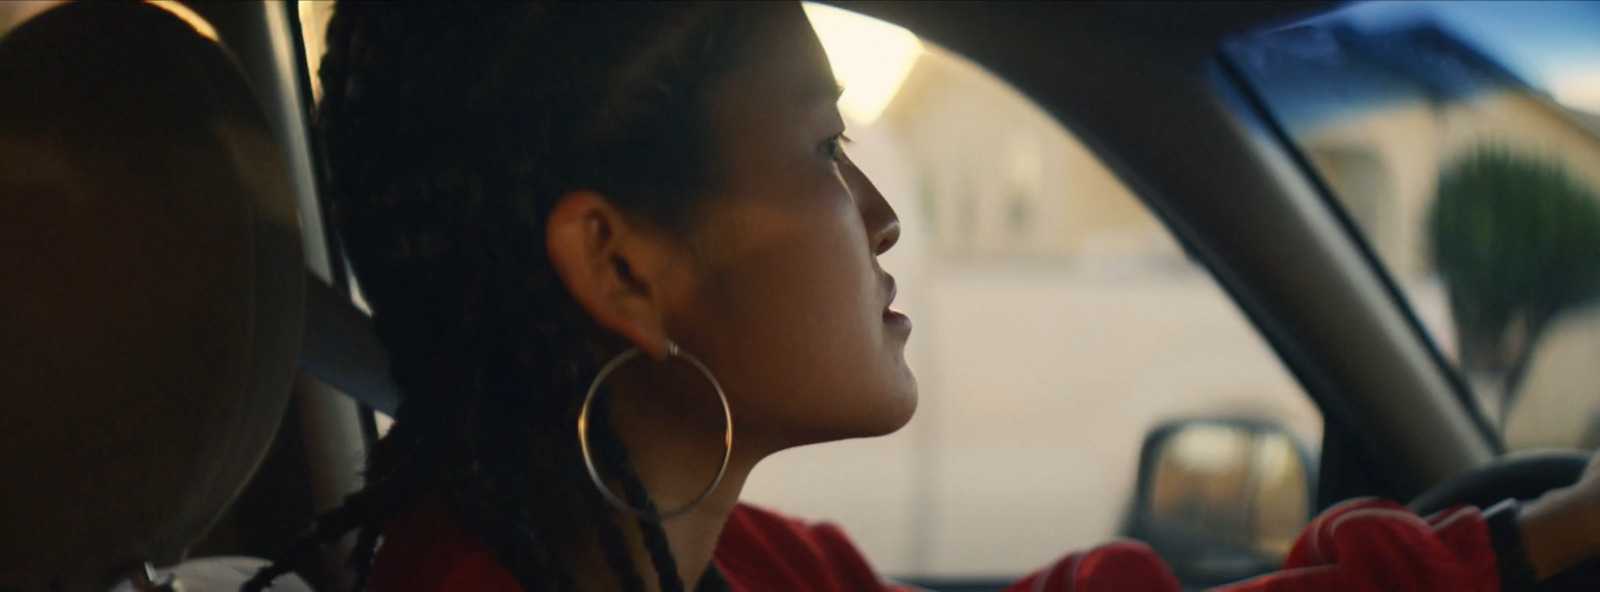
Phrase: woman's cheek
pixel 841 332
pixel 793 307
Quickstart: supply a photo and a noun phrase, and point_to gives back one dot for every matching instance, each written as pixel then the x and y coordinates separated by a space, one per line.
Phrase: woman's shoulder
pixel 426 549
pixel 752 527
pixel 762 549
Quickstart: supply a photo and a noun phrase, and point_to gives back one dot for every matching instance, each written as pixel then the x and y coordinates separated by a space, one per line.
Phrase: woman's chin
pixel 908 409
pixel 897 410
pixel 881 421
pixel 906 397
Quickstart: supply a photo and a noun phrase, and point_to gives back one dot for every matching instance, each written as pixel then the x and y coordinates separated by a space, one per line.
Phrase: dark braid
pixel 611 540
pixel 615 456
pixel 361 554
pixel 327 527
pixel 655 537
pixel 448 131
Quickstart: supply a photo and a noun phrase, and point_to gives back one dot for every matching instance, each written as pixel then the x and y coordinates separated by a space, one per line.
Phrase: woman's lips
pixel 893 318
pixel 897 320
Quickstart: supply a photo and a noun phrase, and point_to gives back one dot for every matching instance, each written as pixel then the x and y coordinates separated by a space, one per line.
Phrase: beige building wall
pixel 1070 205
pixel 1381 166
pixel 1384 165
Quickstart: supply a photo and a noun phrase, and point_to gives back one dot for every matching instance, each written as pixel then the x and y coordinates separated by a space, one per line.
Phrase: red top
pixel 1358 546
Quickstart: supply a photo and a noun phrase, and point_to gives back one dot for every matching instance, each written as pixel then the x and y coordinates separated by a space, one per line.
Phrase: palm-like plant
pixel 1517 241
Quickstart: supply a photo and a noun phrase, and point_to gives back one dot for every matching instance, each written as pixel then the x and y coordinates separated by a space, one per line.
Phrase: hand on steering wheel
pixel 1560 527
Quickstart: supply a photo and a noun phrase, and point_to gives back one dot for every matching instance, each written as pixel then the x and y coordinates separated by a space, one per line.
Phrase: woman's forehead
pixel 787 63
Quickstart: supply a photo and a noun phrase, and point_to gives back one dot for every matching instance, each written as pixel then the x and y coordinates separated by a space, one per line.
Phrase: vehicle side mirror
pixel 1221 500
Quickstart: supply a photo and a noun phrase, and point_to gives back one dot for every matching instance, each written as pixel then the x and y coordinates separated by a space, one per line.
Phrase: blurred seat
pixel 210 574
pixel 151 293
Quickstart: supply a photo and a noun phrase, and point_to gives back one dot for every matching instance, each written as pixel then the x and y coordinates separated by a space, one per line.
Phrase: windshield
pixel 1462 139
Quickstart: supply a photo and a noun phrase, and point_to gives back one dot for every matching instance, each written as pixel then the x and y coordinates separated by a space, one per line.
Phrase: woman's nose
pixel 883 225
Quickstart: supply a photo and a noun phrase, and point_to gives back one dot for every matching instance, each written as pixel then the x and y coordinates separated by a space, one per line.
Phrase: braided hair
pixel 449 131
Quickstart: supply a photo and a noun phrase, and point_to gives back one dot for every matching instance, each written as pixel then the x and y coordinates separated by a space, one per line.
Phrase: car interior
pixel 188 376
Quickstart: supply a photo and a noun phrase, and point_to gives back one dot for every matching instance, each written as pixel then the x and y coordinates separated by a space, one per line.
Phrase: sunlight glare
pixel 1579 91
pixel 188 15
pixel 871 58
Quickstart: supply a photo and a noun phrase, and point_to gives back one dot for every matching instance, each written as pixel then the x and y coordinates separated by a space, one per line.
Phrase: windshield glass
pixel 1462 139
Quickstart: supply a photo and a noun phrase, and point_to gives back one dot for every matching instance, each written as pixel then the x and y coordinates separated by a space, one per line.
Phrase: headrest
pixel 151 291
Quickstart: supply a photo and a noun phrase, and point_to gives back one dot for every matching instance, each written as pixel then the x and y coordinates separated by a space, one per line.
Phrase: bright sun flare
pixel 871 58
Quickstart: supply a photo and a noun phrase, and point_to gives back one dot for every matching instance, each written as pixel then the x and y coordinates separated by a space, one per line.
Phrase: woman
pixel 599 240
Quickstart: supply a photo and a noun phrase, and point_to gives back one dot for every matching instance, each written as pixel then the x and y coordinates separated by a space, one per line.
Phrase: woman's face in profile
pixel 785 299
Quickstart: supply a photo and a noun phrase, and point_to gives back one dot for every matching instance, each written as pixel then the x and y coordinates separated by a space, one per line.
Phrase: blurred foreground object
pixel 152 291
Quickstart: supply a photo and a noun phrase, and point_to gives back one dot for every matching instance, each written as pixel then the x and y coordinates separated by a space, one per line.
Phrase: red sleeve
pixel 1358 546
pixel 1125 566
pixel 763 550
pixel 1375 545
pixel 425 550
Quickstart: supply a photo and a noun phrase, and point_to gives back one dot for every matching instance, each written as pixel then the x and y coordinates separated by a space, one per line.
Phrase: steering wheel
pixel 1525 477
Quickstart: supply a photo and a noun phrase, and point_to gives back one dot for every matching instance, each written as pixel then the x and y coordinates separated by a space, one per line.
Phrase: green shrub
pixel 1516 240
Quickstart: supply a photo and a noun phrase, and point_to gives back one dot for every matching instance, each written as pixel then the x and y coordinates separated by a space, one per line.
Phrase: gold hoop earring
pixel 588 459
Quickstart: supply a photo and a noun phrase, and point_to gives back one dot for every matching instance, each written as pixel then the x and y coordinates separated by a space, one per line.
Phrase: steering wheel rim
pixel 1523 476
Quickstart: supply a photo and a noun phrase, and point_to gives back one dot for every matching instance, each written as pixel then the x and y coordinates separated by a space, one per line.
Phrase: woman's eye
pixel 835 147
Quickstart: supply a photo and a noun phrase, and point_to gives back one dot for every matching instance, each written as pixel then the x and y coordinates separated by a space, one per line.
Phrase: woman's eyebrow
pixel 827 91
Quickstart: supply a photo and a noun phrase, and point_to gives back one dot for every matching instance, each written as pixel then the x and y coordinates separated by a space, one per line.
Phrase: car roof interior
pixel 1139 82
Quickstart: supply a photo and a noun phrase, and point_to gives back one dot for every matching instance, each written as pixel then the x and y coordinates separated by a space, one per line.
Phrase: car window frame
pixel 1227 59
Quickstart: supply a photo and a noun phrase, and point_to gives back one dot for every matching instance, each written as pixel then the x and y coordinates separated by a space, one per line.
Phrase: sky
pixel 1554 45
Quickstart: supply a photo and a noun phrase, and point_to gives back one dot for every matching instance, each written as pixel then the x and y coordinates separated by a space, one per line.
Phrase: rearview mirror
pixel 1221 500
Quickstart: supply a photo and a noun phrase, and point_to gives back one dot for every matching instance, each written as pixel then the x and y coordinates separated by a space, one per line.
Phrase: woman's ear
pixel 613 265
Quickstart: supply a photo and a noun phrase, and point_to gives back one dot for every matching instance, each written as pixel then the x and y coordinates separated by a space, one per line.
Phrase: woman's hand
pixel 1562 528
